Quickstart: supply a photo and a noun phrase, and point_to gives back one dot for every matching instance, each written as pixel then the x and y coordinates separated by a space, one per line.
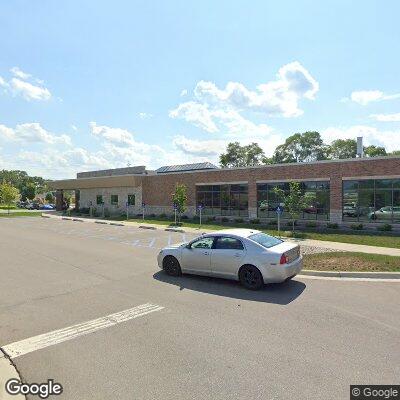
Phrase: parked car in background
pixel 249 256
pixel 46 207
pixel 385 213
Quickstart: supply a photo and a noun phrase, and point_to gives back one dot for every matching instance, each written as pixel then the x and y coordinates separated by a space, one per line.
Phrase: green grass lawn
pixel 21 214
pixel 4 207
pixel 347 261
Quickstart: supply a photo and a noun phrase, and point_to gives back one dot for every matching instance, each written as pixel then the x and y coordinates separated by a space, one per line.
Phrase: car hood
pixel 175 246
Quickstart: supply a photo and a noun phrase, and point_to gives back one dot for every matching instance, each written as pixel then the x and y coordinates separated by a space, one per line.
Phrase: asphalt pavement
pixel 86 305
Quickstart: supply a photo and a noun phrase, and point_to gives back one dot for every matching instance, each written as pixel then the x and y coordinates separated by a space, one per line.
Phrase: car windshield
pixel 265 240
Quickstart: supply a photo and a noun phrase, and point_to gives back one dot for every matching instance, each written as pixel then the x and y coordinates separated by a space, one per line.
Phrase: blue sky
pixel 96 84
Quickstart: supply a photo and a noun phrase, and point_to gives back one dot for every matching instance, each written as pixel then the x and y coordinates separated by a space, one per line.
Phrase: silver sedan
pixel 249 256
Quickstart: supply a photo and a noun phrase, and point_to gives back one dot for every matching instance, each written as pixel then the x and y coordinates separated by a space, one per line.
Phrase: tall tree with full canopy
pixel 242 156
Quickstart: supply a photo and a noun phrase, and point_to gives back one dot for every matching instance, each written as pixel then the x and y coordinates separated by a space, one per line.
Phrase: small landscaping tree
pixel 49 197
pixel 179 197
pixel 8 194
pixel 295 200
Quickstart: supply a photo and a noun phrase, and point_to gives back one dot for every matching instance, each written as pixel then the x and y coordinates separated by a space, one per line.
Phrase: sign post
pixel 279 211
pixel 143 207
pixel 200 207
pixel 91 209
pixel 175 210
pixel 127 210
pixel 103 211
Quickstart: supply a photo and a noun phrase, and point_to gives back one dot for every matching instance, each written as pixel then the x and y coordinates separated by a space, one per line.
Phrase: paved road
pixel 209 338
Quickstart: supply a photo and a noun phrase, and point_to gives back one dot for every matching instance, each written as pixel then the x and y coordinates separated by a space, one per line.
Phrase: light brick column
pixel 59 199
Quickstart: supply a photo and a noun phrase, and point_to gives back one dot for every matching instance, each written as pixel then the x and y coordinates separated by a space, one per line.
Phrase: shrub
pixel 177 224
pixel 290 223
pixel 224 219
pixel 184 217
pixel 255 221
pixel 311 224
pixel 239 220
pixel 273 223
pixel 294 234
pixel 152 215
pixel 384 227
pixel 332 225
pixel 163 216
pixel 196 218
pixel 357 227
pixel 106 213
pixel 84 210
pixel 209 219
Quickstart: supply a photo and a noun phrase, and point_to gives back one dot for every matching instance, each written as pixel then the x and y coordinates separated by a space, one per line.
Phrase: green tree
pixel 295 200
pixel 49 197
pixel 28 191
pixel 301 147
pixel 179 197
pixel 374 151
pixel 242 156
pixel 395 153
pixel 343 148
pixel 8 194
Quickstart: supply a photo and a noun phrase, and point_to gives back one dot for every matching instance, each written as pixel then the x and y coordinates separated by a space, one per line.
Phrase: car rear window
pixel 265 240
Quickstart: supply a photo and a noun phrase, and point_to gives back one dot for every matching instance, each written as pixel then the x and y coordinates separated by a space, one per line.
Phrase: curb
pixel 174 230
pixel 351 274
pixel 146 227
pixel 8 371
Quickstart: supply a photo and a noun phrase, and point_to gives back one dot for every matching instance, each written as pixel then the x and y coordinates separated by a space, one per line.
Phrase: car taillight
pixel 284 259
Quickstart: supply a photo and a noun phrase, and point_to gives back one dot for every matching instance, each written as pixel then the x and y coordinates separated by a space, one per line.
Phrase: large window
pixel 99 199
pixel 114 199
pixel 317 191
pixel 223 199
pixel 371 200
pixel 131 199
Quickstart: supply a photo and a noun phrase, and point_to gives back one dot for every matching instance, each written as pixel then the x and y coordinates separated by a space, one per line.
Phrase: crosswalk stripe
pixel 52 338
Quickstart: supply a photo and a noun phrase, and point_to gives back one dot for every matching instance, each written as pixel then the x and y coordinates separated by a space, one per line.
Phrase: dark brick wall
pixel 157 189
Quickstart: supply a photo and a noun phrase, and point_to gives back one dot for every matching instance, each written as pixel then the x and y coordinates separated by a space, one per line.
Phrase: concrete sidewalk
pixel 359 248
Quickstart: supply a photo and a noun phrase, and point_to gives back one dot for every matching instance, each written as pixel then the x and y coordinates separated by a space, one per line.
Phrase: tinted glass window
pixel 228 243
pixel 265 240
pixel 99 199
pixel 114 199
pixel 131 199
pixel 204 243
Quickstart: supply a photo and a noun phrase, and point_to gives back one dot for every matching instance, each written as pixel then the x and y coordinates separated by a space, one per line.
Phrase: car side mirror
pixel 189 246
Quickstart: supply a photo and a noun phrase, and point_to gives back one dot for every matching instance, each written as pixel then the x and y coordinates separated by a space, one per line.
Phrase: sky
pixel 88 85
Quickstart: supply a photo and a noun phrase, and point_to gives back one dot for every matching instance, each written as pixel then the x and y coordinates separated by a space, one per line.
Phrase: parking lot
pixel 86 305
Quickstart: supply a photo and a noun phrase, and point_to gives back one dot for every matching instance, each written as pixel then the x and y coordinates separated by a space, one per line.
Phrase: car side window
pixel 204 243
pixel 228 243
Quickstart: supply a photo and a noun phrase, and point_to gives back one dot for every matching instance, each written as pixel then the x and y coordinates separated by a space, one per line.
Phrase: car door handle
pixel 238 255
pixel 206 253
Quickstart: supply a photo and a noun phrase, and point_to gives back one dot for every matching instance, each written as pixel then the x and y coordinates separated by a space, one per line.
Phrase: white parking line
pixel 34 343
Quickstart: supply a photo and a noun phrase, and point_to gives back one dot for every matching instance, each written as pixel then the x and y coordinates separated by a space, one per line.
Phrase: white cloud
pixel 386 117
pixel 32 133
pixel 279 97
pixel 196 113
pixel 202 148
pixel 115 135
pixel 19 74
pixel 371 135
pixel 184 92
pixel 19 86
pixel 74 128
pixel 364 97
pixel 29 91
pixel 144 115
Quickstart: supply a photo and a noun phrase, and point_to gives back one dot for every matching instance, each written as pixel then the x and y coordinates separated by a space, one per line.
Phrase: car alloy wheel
pixel 171 266
pixel 250 277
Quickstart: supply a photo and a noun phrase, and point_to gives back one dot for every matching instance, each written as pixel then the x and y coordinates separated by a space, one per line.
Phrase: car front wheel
pixel 250 277
pixel 171 266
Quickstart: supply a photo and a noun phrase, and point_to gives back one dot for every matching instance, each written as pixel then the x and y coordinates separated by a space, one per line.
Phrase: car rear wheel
pixel 171 266
pixel 250 277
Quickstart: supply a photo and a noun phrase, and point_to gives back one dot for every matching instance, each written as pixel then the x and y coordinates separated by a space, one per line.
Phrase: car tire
pixel 250 277
pixel 171 266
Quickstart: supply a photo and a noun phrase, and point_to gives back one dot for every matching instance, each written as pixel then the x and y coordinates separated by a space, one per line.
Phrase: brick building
pixel 360 189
